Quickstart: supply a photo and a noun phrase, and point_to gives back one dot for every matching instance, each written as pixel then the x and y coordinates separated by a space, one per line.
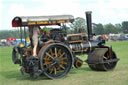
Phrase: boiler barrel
pixel 83 47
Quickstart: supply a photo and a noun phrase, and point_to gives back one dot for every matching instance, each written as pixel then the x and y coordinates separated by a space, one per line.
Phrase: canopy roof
pixel 41 20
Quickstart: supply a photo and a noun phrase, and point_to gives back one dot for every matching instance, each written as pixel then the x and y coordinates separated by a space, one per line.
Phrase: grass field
pixel 10 74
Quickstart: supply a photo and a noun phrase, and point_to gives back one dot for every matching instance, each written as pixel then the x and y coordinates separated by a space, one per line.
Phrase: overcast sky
pixel 103 11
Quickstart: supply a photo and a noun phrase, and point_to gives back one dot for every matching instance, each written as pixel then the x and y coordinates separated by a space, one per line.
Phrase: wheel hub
pixel 57 60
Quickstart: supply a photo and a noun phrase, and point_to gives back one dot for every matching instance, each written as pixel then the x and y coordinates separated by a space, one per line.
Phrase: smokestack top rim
pixel 88 12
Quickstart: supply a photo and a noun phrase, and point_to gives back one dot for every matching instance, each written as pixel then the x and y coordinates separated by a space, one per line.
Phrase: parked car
pixel 1 44
pixel 122 38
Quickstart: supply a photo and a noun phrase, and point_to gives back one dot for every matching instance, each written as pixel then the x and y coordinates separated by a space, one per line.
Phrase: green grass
pixel 10 74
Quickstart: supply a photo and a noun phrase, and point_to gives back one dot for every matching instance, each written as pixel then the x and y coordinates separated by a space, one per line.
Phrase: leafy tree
pixel 79 25
pixel 65 28
pixel 125 26
pixel 45 29
pixel 3 34
pixel 118 28
pixel 110 28
pixel 98 29
pixel 70 31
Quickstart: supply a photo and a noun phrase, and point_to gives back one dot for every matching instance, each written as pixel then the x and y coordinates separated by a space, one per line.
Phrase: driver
pixel 34 31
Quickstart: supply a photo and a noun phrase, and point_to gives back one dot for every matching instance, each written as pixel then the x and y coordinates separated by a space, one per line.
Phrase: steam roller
pixel 57 51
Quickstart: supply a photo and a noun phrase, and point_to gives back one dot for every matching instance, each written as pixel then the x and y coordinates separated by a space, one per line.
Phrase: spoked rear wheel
pixel 56 61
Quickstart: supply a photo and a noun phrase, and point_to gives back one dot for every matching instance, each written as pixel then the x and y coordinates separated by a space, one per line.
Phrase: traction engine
pixel 57 52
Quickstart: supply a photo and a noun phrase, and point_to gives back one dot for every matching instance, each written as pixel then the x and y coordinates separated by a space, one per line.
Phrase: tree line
pixel 98 29
pixel 13 34
pixel 79 25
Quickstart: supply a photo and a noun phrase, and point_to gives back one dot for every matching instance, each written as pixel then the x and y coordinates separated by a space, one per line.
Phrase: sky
pixel 103 11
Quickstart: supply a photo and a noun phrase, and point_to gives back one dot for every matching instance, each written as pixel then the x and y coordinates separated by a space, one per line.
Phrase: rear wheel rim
pixel 56 61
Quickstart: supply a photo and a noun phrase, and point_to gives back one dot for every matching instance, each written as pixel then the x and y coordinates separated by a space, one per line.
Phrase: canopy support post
pixel 21 34
pixel 25 35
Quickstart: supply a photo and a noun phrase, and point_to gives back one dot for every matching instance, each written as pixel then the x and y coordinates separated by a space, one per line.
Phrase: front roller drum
pixel 56 60
pixel 100 60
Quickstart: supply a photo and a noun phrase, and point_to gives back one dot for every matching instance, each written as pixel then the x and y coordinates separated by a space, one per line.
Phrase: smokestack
pixel 89 24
